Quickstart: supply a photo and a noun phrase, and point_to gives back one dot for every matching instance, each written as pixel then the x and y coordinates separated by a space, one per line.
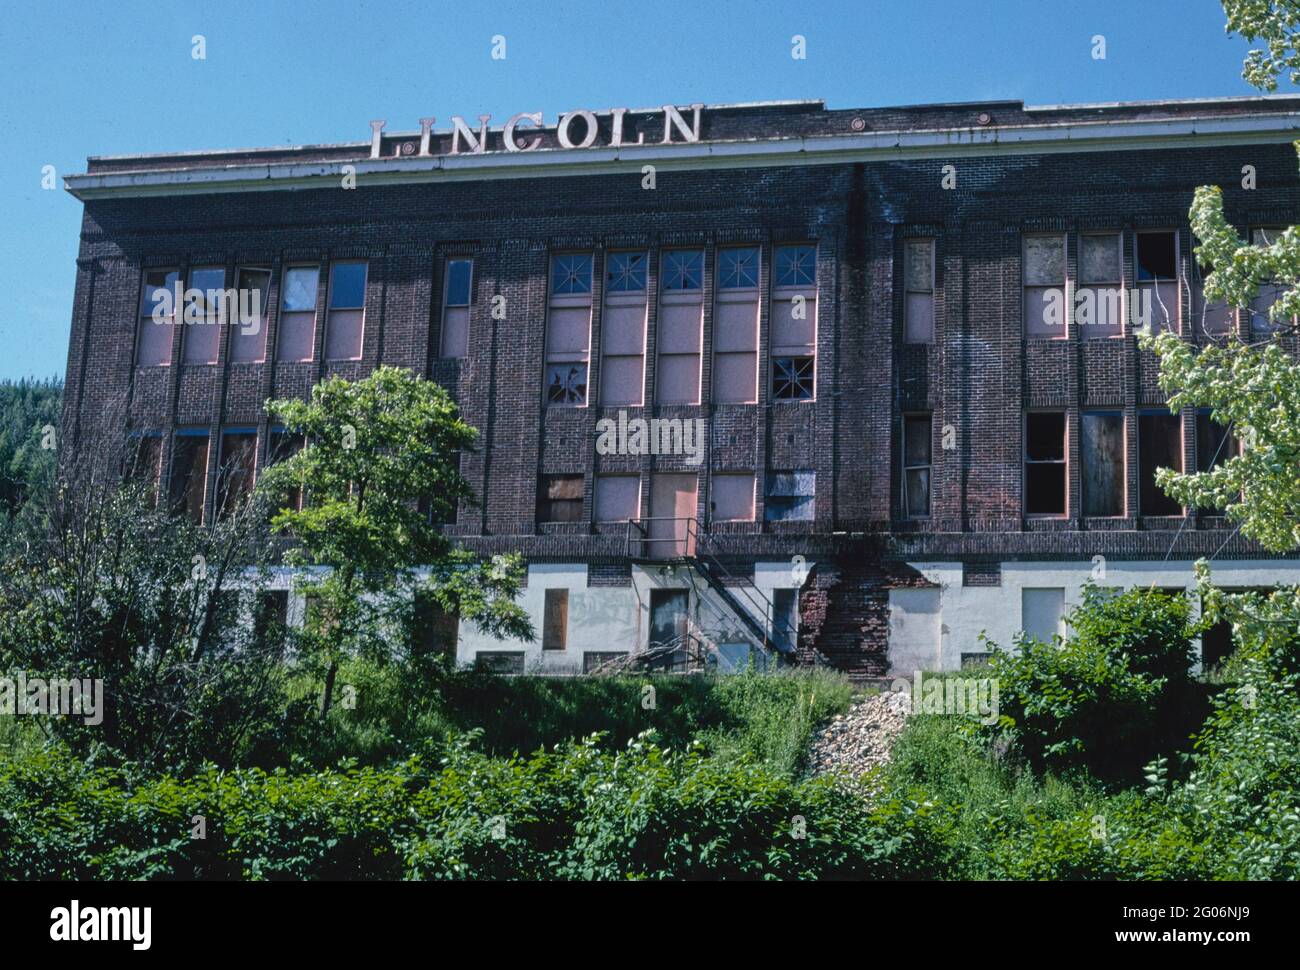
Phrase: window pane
pixel 1045 436
pixel 1045 489
pixel 571 274
pixel 792 378
pixel 919 266
pixel 566 383
pixel 459 272
pixel 738 268
pixel 917 493
pixel 1044 260
pixel 1099 259
pixel 796 265
pixel 916 441
pixel 625 272
pixel 156 283
pixel 1159 446
pixel 683 269
pixel 618 498
pixel 300 285
pixel 1156 256
pixel 347 286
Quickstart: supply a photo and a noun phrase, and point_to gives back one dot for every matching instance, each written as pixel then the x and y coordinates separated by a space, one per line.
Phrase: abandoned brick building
pixel 855 385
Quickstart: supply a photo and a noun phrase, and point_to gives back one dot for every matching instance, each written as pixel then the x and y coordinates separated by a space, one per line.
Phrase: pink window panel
pixel 919 315
pixel 248 320
pixel 1045 311
pixel 736 325
pixel 203 317
pixel 679 378
pixel 1217 319
pixel 297 336
pixel 622 376
pixel 1164 313
pixel 1100 312
pixel 672 503
pixel 343 335
pixel 1262 304
pixel 568 332
pixel 735 347
pixel 791 335
pixel 154 345
pixel 680 324
pixel 735 378
pixel 455 331
pixel 733 498
pixel 618 498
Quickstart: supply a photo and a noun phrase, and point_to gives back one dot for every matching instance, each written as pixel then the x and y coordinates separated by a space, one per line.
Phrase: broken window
pixel 916 465
pixel 791 496
pixel 235 469
pixel 622 344
pixel 189 474
pixel 733 497
pixel 918 285
pixel 296 330
pixel 568 329
pixel 1099 304
pixel 157 314
pixel 1044 272
pixel 680 327
pixel 502 662
pixel 1215 319
pixel 144 461
pixel 457 290
pixel 618 498
pixel 1045 463
pixel 794 323
pixel 1260 320
pixel 735 327
pixel 347 310
pixel 1157 281
pixel 1101 453
pixel 555 620
pixel 559 498
pixel 1215 444
pixel 1160 445
pixel 436 629
pixel 203 315
pixel 248 319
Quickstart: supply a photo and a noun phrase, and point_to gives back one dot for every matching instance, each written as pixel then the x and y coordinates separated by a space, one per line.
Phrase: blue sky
pixel 110 78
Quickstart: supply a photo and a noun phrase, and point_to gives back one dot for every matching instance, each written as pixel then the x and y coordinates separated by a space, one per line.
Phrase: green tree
pixel 29 413
pixel 379 472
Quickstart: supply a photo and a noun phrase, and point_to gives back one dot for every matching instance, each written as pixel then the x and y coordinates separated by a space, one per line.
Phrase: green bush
pixel 578 812
pixel 1114 693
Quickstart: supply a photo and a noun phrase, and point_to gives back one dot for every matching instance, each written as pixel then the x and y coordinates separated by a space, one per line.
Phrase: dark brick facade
pixel 978 376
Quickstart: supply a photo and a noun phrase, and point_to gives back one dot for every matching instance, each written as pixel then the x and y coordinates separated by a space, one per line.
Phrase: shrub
pixel 1110 696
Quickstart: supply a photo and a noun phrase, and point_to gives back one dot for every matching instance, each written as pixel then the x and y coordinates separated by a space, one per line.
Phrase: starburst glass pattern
pixel 796 266
pixel 625 272
pixel 792 378
pixel 571 274
pixel 684 269
pixel 566 383
pixel 738 268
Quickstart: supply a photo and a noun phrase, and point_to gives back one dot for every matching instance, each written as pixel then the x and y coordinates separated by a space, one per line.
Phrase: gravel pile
pixel 860 739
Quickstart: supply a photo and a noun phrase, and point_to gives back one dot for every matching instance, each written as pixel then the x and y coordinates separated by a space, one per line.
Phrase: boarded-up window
pixel 347 310
pixel 204 305
pixel 791 496
pixel 622 344
pixel 1160 445
pixel 1157 281
pixel 157 315
pixel 1101 448
pixel 457 292
pixel 735 327
pixel 918 278
pixel 236 469
pixel 1099 305
pixel 1044 272
pixel 733 497
pixel 1042 612
pixel 680 326
pixel 559 498
pixel 248 319
pixel 297 326
pixel 916 465
pixel 568 329
pixel 794 322
pixel 1045 463
pixel 189 475
pixel 618 498
pixel 555 620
